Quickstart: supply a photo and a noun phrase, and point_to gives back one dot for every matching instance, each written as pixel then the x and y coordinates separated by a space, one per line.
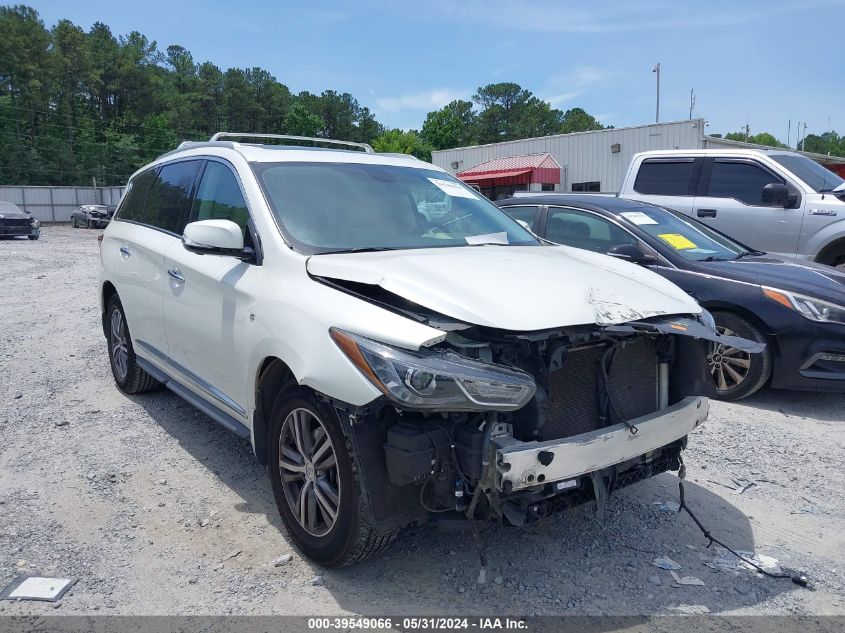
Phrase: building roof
pixel 520 164
pixel 509 170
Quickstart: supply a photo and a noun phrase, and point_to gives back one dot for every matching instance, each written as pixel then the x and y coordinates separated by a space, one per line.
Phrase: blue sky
pixel 764 61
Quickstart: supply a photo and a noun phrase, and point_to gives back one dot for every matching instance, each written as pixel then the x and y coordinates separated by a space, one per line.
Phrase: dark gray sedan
pixel 91 216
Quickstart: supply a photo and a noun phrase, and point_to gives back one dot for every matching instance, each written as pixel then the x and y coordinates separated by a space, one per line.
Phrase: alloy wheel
pixel 309 473
pixel 119 344
pixel 728 365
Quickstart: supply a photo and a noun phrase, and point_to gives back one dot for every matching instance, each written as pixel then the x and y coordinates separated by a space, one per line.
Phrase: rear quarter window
pixel 132 207
pixel 664 177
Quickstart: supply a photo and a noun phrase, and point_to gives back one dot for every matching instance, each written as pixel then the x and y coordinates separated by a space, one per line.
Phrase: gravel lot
pixel 157 510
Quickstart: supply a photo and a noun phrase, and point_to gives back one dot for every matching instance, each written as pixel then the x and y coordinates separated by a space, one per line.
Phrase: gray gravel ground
pixel 159 511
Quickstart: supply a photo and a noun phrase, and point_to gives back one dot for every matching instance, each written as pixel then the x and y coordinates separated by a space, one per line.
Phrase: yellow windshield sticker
pixel 677 241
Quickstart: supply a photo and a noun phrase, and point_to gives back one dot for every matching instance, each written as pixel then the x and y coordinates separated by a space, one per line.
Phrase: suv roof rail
pixel 288 137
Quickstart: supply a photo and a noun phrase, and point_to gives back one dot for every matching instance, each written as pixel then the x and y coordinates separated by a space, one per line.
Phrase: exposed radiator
pixel 573 406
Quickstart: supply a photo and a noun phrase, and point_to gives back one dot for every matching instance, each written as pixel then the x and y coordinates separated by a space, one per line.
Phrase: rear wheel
pixel 738 374
pixel 317 484
pixel 73 223
pixel 128 375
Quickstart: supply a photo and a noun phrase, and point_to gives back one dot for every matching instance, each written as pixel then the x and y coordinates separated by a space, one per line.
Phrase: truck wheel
pixel 317 485
pixel 128 375
pixel 738 374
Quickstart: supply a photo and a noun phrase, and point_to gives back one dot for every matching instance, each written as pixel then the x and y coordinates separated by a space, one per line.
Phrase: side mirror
pixel 776 194
pixel 215 237
pixel 631 253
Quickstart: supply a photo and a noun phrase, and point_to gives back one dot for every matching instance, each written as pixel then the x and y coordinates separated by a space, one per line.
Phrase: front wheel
pixel 33 237
pixel 738 374
pixel 316 484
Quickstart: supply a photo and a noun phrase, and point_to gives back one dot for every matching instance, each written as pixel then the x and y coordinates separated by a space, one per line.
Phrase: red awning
pixel 493 175
pixel 514 170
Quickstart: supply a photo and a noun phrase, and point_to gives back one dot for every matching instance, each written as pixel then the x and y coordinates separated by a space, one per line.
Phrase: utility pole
pixel 788 133
pixel 691 102
pixel 656 69
pixel 803 137
pixel 747 130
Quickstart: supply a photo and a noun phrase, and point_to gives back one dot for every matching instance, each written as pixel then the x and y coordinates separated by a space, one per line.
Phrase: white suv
pixel 386 364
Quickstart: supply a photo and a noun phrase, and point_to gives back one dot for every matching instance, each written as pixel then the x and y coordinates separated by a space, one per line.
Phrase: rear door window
pixel 582 229
pixel 742 180
pixel 665 177
pixel 168 203
pixel 132 207
pixel 525 214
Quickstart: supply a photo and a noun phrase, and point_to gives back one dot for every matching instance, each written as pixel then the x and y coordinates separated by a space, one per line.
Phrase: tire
pixel 728 363
pixel 33 237
pixel 89 225
pixel 73 223
pixel 128 375
pixel 349 536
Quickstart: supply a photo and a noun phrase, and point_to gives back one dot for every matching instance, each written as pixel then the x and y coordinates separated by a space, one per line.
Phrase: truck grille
pixel 573 406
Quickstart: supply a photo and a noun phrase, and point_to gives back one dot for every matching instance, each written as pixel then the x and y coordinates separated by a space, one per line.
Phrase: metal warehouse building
pixel 588 161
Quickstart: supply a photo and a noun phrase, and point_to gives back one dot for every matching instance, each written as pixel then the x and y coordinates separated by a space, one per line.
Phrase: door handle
pixel 706 213
pixel 176 275
pixel 125 252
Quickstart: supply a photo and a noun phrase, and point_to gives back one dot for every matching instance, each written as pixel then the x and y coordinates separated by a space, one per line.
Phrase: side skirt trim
pixel 218 415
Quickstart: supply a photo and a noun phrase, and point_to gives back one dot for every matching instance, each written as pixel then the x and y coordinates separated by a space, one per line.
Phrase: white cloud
pixel 560 99
pixel 431 100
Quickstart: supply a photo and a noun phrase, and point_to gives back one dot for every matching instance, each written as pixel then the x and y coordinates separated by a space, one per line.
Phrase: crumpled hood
pixel 520 288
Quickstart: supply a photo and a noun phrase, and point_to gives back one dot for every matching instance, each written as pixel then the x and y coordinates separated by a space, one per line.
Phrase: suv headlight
pixel 444 381
pixel 809 307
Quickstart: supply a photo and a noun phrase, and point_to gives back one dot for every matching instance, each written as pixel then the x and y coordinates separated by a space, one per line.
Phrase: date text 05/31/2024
pixel 430 623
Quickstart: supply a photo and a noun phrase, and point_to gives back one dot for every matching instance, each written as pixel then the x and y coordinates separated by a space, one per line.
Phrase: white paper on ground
pixel 40 588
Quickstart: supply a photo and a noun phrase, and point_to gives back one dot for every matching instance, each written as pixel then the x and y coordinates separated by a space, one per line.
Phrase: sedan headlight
pixel 443 381
pixel 707 319
pixel 34 222
pixel 809 307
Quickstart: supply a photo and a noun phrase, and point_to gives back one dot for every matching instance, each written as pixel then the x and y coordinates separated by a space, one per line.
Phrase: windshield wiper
pixel 359 249
pixel 748 253
pixel 713 258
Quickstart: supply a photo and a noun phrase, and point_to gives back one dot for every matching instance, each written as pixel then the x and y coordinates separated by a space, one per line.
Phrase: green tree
pixel 399 142
pixel 300 122
pixel 454 125
pixel 577 120
pixel 827 143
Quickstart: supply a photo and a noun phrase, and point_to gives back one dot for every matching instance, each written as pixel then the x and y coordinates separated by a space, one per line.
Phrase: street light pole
pixel 656 69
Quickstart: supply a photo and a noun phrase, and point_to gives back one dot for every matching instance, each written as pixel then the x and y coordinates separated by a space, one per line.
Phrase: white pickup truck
pixel 772 200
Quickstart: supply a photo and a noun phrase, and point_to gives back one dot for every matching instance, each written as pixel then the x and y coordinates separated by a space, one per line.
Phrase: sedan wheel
pixel 736 373
pixel 730 366
pixel 309 473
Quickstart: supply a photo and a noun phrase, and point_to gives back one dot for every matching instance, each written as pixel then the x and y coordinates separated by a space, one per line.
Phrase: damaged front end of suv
pixel 518 425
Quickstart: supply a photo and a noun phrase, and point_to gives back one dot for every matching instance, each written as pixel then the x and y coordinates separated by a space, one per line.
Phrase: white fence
pixel 55 204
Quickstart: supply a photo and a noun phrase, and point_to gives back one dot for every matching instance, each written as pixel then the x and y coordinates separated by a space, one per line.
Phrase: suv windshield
pixel 330 207
pixel 815 176
pixel 689 238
